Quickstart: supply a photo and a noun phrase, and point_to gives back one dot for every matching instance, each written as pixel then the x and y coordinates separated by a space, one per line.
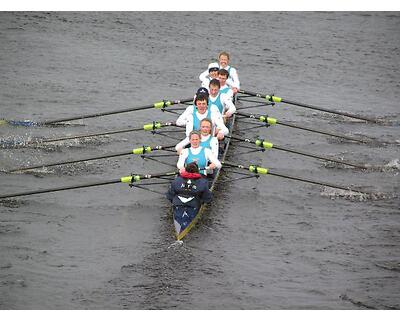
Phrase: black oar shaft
pixel 147 127
pixel 52 164
pixel 325 184
pixel 105 156
pixel 78 186
pixel 106 113
pixel 287 124
pixel 311 155
pixel 260 170
pixel 341 113
pixel 332 134
pixel 308 106
pixel 91 135
pixel 261 143
pixel 129 179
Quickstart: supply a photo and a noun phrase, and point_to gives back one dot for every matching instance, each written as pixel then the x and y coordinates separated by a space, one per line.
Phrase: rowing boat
pixel 183 226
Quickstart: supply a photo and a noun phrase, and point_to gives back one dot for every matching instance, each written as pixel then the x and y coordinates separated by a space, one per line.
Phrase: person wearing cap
pixel 207 139
pixel 203 157
pixel 223 63
pixel 193 114
pixel 205 78
pixel 223 101
pixel 187 193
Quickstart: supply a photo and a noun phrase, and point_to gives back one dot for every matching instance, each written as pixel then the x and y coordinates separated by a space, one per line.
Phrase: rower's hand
pixel 179 151
pixel 220 136
pixel 235 90
pixel 228 114
pixel 181 170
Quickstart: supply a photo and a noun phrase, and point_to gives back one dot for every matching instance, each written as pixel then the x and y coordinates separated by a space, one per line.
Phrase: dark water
pixel 265 244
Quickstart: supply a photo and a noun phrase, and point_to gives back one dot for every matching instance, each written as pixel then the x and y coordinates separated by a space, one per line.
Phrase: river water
pixel 269 243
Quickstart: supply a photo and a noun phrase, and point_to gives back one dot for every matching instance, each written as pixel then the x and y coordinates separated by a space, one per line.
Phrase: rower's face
pixel 223 61
pixel 214 90
pixel 201 106
pixel 214 74
pixel 195 140
pixel 205 128
pixel 222 79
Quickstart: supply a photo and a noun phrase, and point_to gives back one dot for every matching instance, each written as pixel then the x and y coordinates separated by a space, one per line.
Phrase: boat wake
pixel 41 143
pixel 175 244
pixel 391 166
pixel 334 193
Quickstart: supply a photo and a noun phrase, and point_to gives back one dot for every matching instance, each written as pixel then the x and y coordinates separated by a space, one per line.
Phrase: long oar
pixel 141 150
pixel 158 105
pixel 147 127
pixel 128 179
pixel 273 121
pixel 260 170
pixel 269 145
pixel 273 98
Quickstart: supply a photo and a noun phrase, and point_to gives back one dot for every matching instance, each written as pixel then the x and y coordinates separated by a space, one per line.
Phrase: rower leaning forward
pixel 193 114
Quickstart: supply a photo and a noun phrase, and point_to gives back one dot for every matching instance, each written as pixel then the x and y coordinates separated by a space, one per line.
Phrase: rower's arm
pixel 228 104
pixel 235 77
pixel 189 126
pixel 214 144
pixel 183 118
pixel 181 145
pixel 212 158
pixel 230 82
pixel 203 76
pixel 219 123
pixel 182 158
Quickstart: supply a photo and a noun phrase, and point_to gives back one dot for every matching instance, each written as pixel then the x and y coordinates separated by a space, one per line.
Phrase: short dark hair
pixel 223 72
pixel 201 97
pixel 215 82
pixel 192 167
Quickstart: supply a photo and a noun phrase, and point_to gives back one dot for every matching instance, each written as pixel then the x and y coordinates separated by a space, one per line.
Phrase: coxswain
pixel 207 139
pixel 187 193
pixel 193 114
pixel 204 157
pixel 223 62
pixel 223 102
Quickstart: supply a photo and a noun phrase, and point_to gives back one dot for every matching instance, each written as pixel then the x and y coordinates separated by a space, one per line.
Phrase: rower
pixel 225 88
pixel 204 157
pixel 207 140
pixel 192 116
pixel 212 74
pixel 233 78
pixel 223 102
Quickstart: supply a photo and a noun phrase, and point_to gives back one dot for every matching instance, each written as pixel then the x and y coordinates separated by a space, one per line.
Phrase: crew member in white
pixel 192 116
pixel 223 102
pixel 207 140
pixel 204 157
pixel 212 74
pixel 224 87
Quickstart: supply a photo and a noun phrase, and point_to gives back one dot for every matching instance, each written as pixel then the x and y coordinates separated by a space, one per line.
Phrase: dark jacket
pixel 189 189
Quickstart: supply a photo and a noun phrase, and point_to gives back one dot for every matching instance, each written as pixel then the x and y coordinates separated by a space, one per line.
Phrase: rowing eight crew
pixel 205 120
pixel 205 125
